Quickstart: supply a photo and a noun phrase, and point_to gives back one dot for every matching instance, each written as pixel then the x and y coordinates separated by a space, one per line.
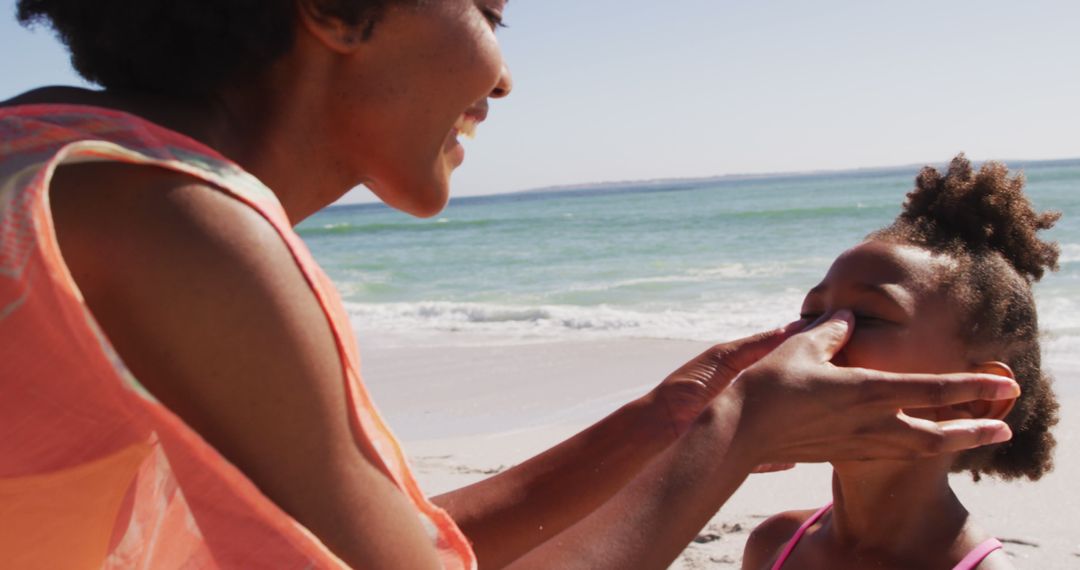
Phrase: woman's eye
pixel 494 18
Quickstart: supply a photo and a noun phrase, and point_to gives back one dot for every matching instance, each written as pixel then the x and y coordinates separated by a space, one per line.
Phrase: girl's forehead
pixel 882 263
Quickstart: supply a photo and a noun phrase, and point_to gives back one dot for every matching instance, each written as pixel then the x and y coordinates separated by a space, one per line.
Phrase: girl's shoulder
pixel 979 550
pixel 768 538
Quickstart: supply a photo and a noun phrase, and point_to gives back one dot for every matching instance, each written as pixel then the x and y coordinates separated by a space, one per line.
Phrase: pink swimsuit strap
pixel 978 554
pixel 970 562
pixel 799 534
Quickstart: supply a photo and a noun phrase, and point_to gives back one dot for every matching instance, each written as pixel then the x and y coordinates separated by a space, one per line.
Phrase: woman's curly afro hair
pixel 986 224
pixel 182 48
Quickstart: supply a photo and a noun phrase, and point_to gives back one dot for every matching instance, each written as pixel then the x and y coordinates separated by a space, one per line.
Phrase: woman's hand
pixel 794 406
pixel 686 392
pixel 527 505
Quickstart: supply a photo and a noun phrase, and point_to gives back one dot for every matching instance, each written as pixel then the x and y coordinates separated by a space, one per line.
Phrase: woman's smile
pixel 465 125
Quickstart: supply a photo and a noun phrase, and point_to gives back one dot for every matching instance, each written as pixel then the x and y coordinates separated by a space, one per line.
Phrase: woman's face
pixel 425 73
pixel 904 320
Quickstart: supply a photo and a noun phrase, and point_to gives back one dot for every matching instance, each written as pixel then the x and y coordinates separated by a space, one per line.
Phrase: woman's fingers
pixel 730 358
pixel 899 437
pixel 830 334
pixel 716 367
pixel 930 390
pixel 958 435
pixel 686 392
pixel 797 406
pixel 773 467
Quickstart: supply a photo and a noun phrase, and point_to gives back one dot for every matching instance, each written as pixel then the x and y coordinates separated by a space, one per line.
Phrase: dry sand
pixel 464 413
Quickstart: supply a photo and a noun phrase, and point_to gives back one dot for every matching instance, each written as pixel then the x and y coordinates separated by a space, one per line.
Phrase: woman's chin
pixel 420 198
pixel 429 200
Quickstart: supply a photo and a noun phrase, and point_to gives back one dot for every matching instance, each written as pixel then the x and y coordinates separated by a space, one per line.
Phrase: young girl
pixel 946 287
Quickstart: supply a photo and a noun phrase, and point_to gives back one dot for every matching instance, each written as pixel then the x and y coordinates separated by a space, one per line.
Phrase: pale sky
pixel 633 89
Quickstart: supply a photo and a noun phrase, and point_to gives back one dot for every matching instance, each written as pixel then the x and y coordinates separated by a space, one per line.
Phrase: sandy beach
pixel 464 413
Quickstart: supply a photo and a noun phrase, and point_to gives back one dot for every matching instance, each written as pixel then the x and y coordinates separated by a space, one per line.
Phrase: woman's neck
pixel 271 136
pixel 892 510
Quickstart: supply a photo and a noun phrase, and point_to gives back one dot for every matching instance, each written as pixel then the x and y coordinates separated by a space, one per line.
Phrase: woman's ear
pixel 993 409
pixel 329 30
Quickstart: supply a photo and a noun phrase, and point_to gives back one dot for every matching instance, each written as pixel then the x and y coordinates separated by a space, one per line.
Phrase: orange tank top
pixel 94 472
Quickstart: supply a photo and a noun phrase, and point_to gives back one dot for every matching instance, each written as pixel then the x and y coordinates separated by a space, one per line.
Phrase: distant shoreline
pixel 694 182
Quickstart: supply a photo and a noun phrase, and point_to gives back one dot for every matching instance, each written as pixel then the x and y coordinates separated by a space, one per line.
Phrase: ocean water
pixel 702 260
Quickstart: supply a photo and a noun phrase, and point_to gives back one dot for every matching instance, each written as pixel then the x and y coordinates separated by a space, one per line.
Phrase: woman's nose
pixel 505 84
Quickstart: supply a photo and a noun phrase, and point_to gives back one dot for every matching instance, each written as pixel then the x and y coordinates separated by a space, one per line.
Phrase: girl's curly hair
pixel 182 48
pixel 986 224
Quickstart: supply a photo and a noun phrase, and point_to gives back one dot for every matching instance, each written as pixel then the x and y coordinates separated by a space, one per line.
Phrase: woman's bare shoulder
pixel 204 302
pixel 119 223
pixel 766 540
pixel 189 285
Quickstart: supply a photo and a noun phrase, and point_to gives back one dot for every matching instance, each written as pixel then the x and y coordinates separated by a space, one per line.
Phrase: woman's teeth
pixel 466 127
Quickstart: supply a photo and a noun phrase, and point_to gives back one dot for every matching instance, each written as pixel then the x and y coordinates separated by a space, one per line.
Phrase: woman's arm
pixel 207 307
pixel 512 512
pixel 790 406
pixel 651 521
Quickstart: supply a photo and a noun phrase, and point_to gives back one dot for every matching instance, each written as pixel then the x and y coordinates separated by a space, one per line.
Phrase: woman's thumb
pixel 830 333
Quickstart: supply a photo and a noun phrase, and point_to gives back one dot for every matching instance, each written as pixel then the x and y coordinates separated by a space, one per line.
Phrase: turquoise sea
pixel 702 260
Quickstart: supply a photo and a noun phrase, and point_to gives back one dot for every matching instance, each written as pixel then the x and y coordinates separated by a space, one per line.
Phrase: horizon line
pixel 691 180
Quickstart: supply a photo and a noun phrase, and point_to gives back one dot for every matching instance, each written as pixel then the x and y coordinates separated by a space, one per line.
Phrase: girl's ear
pixel 992 409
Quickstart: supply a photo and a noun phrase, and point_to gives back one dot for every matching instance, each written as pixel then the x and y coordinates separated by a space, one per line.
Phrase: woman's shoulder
pixel 206 305
pixel 164 259
pixel 141 217
pixel 766 540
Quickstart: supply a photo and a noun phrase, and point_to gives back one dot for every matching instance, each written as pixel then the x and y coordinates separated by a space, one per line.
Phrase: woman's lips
pixel 466 126
pixel 468 121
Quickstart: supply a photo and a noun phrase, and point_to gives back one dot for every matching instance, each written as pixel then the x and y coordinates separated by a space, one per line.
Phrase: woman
pixel 188 266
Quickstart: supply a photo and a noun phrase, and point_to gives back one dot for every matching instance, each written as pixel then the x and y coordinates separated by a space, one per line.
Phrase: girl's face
pixel 425 73
pixel 904 320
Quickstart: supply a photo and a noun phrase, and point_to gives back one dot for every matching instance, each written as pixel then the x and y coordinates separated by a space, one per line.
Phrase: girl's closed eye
pixel 864 319
pixel 860 318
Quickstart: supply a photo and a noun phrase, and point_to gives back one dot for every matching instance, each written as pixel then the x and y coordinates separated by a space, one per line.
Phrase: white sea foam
pixel 761 269
pixel 725 272
pixel 1058 313
pixel 509 323
pixel 458 323
pixel 1070 253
